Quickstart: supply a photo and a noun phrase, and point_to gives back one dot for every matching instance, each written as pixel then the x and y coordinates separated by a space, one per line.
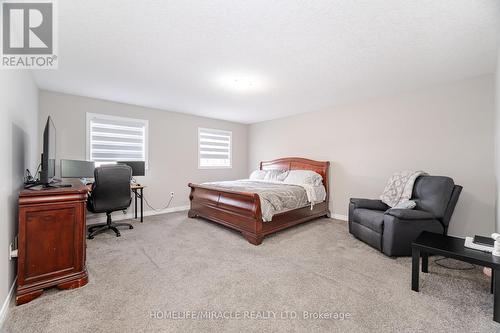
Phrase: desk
pixel 139 193
pixel 51 240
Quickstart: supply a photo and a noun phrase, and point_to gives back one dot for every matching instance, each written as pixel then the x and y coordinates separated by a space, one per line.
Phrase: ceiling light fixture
pixel 242 83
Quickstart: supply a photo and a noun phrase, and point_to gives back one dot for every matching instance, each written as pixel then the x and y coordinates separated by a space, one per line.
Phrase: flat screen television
pixel 48 169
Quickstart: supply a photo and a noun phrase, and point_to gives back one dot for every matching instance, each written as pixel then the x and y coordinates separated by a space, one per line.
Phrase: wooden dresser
pixel 51 251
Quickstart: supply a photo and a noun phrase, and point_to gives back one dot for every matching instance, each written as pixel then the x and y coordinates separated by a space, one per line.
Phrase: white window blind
pixel 111 139
pixel 214 148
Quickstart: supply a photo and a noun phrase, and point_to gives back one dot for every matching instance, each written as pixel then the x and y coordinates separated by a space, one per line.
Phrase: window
pixel 214 148
pixel 111 139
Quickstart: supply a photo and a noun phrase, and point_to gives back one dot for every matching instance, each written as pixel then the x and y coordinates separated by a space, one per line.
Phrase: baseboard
pixel 6 303
pixel 118 217
pixel 131 215
pixel 340 217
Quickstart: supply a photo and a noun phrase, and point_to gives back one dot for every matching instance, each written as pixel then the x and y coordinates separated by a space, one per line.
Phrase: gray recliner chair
pixel 392 231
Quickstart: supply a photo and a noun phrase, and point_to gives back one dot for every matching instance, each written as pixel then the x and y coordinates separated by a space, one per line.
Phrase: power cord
pixel 29 178
pixel 37 170
pixel 437 262
pixel 155 209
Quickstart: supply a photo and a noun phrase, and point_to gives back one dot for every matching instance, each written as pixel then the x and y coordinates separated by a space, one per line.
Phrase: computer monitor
pixel 138 167
pixel 77 169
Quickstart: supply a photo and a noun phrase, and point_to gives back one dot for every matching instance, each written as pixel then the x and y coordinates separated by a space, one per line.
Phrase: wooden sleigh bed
pixel 241 210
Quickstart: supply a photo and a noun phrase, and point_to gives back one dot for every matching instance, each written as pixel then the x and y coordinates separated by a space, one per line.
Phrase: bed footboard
pixel 238 210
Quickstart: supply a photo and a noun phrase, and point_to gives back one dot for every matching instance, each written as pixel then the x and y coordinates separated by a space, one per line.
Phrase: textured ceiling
pixel 300 56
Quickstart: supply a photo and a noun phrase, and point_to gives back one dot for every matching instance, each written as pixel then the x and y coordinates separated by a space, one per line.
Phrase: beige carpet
pixel 172 263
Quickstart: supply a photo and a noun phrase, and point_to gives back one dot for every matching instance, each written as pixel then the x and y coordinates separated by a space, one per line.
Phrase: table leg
pixel 415 267
pixel 492 281
pixel 135 197
pixel 496 297
pixel 142 204
pixel 425 262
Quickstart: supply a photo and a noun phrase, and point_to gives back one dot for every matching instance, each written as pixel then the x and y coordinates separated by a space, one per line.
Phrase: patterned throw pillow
pixel 410 204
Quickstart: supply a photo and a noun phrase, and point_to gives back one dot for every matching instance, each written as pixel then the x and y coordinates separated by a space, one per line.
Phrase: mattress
pixel 275 197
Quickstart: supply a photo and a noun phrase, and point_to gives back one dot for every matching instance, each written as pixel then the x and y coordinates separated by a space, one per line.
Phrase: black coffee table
pixel 453 247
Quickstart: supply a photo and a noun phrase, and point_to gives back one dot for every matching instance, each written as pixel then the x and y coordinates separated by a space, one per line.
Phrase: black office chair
pixel 110 193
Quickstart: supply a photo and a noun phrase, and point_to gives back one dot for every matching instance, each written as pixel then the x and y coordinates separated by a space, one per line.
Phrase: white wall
pixel 497 141
pixel 173 149
pixel 444 130
pixel 18 147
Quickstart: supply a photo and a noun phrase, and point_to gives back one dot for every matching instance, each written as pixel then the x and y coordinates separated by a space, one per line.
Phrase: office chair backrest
pixel 111 188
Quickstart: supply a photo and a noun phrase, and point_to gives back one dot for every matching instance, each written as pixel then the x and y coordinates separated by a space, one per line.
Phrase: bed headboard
pixel 298 163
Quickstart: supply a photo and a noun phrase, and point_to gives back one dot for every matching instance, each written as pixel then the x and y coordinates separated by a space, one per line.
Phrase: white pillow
pixel 283 176
pixel 258 175
pixel 275 175
pixel 299 177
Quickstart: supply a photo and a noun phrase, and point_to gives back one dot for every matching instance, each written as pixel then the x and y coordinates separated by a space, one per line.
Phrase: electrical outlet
pixel 13 249
pixel 172 194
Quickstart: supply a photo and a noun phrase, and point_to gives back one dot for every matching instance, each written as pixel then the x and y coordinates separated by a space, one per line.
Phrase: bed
pixel 241 210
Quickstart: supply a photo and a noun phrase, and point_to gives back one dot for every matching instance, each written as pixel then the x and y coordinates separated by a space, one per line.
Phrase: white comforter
pixel 276 197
